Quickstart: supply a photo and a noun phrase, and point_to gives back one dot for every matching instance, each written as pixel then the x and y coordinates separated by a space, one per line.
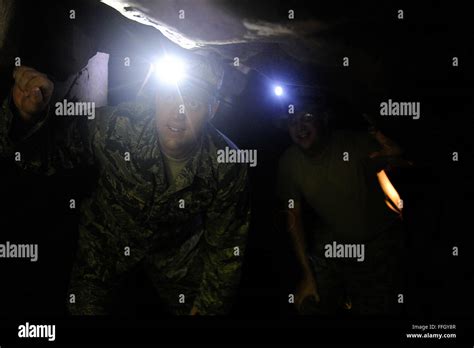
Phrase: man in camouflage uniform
pixel 162 199
pixel 328 199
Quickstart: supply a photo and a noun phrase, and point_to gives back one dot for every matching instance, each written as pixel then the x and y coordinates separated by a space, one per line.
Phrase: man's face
pixel 305 130
pixel 180 118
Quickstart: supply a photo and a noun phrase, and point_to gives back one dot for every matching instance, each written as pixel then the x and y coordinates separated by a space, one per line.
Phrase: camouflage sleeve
pixel 227 224
pixel 93 273
pixel 50 145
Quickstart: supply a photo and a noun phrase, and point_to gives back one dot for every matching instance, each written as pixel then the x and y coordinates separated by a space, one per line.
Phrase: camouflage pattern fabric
pixel 188 251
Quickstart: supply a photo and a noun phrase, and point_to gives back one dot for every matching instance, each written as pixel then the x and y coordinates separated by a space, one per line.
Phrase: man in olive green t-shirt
pixel 350 247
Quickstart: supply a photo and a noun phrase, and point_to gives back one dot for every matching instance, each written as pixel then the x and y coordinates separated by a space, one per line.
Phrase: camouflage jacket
pixel 191 234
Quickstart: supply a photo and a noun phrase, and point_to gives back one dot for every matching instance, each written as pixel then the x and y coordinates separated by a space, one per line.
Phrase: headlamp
pixel 169 69
pixel 278 91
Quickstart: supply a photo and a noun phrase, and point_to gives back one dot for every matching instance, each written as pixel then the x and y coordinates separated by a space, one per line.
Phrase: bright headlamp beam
pixel 169 69
pixel 278 90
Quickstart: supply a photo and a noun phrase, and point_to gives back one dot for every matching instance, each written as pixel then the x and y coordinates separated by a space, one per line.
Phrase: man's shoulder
pixel 134 111
pixel 348 134
pixel 361 143
pixel 125 117
pixel 355 139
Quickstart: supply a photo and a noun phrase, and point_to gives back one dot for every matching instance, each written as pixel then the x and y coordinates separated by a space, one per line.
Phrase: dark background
pixel 416 66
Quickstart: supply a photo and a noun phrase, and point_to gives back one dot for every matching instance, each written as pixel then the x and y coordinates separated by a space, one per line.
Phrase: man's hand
pixel 389 147
pixel 31 93
pixel 306 288
pixel 390 154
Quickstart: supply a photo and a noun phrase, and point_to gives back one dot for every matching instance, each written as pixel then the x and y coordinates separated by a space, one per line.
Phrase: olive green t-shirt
pixel 340 187
pixel 173 167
